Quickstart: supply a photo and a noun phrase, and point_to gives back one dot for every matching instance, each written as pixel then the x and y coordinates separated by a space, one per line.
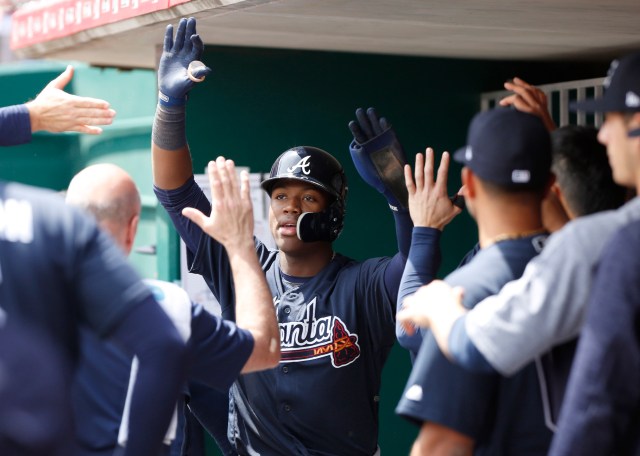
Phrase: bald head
pixel 108 193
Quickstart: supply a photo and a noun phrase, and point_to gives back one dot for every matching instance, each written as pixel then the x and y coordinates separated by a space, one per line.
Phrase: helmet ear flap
pixel 321 226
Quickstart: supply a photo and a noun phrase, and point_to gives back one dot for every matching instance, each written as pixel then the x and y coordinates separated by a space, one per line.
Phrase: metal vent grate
pixel 559 95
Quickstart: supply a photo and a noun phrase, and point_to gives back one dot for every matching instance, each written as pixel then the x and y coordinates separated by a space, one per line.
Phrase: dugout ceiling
pixel 126 33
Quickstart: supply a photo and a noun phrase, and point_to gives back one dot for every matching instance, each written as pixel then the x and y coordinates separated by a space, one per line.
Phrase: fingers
pixel 443 171
pixel 230 179
pixel 244 186
pixel 180 34
pixel 408 180
pixel 357 133
pixel 168 38
pixel 195 216
pixel 363 120
pixel 197 47
pixel 62 80
pixel 458 294
pixel 384 124
pixel 189 32
pixel 427 176
pixel 373 121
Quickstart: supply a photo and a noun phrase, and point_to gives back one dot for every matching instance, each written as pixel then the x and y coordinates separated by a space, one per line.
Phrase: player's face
pixel 289 199
pixel 620 148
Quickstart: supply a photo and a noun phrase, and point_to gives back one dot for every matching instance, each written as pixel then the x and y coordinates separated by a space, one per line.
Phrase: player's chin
pixel 289 244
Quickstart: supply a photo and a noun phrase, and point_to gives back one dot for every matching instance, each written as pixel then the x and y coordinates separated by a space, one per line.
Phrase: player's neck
pixel 308 263
pixel 512 224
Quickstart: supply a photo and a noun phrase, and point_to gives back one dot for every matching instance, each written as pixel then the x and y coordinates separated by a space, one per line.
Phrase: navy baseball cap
pixel 509 148
pixel 621 88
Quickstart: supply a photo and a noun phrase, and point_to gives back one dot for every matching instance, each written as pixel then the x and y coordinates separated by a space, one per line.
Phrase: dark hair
pixel 583 172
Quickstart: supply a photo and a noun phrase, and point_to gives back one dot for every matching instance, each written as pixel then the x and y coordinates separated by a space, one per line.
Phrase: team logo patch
pixel 314 338
pixel 303 164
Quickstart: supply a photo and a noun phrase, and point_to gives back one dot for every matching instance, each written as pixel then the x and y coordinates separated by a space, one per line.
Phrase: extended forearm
pixel 254 308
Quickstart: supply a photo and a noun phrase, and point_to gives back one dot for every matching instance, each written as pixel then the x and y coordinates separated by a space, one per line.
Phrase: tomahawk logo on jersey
pixel 314 338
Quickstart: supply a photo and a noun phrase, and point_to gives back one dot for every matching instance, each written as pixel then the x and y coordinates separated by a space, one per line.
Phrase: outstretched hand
pixel 530 99
pixel 55 110
pixel 173 77
pixel 231 219
pixel 429 204
pixel 426 306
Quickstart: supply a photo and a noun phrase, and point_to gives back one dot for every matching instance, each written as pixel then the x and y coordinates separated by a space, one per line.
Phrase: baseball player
pixel 109 194
pixel 83 279
pixel 35 415
pixel 336 315
pixel 547 305
pixel 600 412
pixel 506 175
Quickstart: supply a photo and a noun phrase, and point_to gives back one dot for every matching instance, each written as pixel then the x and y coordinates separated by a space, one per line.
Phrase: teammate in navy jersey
pixel 602 406
pixel 506 175
pixel 82 277
pixel 53 110
pixel 220 349
pixel 336 315
pixel 35 411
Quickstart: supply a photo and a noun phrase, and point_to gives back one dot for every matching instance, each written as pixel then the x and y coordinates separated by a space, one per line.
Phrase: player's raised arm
pixel 379 158
pixel 231 224
pixel 431 210
pixel 171 159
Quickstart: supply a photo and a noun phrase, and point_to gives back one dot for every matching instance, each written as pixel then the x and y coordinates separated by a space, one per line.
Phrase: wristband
pixel 166 100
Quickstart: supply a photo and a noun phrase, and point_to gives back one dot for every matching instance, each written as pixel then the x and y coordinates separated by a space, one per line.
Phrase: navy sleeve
pixel 421 268
pixel 148 332
pixel 219 349
pixel 15 125
pixel 189 195
pixel 601 410
pixel 394 270
pixel 464 352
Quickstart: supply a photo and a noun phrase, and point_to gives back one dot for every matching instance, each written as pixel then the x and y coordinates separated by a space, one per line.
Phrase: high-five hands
pixel 231 219
pixel 55 110
pixel 429 204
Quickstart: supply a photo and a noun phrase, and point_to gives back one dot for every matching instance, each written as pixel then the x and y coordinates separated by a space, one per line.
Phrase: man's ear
pixel 132 229
pixel 634 126
pixel 468 180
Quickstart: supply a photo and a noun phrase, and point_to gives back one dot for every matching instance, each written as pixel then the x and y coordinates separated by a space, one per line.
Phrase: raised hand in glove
pixel 173 71
pixel 378 156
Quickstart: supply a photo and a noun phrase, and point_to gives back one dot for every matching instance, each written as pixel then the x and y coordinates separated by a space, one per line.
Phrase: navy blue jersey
pixel 102 377
pixel 35 415
pixel 15 125
pixel 60 272
pixel 600 414
pixel 336 332
pixel 503 415
pixel 58 269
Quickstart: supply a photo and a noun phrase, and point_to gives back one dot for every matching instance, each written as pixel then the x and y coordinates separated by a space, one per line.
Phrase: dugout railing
pixel 559 96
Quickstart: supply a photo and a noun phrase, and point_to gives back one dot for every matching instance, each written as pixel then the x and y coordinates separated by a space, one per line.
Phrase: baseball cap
pixel 508 148
pixel 621 88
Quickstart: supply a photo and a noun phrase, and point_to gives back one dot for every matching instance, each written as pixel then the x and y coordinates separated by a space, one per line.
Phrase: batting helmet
pixel 320 168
